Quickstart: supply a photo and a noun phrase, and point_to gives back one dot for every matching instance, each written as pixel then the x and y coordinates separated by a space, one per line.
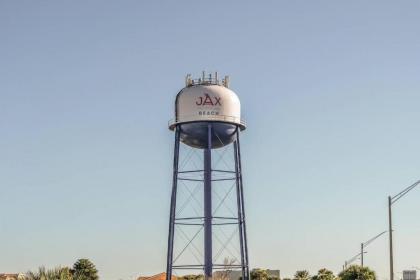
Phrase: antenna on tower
pixel 188 80
pixel 226 81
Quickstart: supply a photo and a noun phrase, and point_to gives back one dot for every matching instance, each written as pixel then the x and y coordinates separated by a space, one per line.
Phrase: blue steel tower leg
pixel 241 209
pixel 208 255
pixel 169 259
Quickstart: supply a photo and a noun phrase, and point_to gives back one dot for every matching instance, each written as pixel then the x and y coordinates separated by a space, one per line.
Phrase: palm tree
pixel 357 272
pixel 58 273
pixel 259 274
pixel 324 274
pixel 84 269
pixel 302 275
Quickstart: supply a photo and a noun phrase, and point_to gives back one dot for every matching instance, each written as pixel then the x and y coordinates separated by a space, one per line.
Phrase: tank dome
pixel 205 101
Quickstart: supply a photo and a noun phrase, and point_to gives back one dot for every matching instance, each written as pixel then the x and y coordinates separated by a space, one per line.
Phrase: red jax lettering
pixel 207 100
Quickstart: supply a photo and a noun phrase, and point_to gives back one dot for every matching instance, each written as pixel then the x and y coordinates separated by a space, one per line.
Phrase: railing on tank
pixel 210 79
pixel 218 118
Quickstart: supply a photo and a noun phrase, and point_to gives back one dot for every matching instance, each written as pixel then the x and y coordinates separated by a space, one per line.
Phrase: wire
pixel 396 197
pixel 353 259
pixel 372 239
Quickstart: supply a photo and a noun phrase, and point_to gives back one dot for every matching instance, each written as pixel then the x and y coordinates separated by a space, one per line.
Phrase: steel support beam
pixel 241 210
pixel 206 221
pixel 208 254
pixel 170 254
pixel 239 205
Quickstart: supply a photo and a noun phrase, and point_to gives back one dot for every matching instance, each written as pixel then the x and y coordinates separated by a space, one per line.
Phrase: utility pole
pixel 365 244
pixel 362 250
pixel 391 254
pixel 392 200
pixel 361 254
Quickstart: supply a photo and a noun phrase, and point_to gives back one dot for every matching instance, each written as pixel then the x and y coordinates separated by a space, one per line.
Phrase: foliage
pixel 84 269
pixel 302 275
pixel 259 274
pixel 324 274
pixel 192 277
pixel 58 273
pixel 262 274
pixel 356 272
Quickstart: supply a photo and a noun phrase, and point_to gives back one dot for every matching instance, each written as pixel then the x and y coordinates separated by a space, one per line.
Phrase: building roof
pixel 160 276
pixel 7 276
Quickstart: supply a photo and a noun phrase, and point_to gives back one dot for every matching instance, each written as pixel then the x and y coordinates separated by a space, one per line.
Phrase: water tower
pixel 207 232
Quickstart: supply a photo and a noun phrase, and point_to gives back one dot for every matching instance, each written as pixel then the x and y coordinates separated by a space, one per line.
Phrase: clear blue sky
pixel 330 91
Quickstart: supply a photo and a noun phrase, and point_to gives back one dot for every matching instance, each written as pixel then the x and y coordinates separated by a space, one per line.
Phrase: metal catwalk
pixel 207 231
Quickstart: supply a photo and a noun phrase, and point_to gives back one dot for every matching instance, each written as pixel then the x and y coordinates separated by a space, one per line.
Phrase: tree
pixel 259 274
pixel 192 277
pixel 302 275
pixel 356 272
pixel 58 273
pixel 40 274
pixel 64 273
pixel 225 273
pixel 84 269
pixel 324 274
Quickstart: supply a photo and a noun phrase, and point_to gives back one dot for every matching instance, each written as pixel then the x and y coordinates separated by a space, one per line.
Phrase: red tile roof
pixel 160 276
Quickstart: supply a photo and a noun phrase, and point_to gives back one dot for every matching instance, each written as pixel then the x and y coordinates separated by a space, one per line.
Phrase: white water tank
pixel 207 100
